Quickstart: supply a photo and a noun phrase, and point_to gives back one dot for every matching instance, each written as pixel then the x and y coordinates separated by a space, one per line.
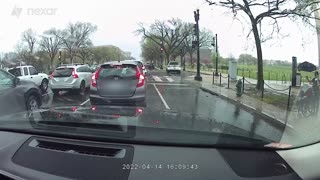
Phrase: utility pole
pixel 196 18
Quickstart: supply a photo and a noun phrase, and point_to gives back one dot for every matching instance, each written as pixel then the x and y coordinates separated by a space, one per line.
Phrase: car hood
pixel 135 125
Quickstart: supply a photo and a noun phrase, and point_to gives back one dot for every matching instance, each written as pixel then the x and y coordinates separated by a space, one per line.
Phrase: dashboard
pixel 25 156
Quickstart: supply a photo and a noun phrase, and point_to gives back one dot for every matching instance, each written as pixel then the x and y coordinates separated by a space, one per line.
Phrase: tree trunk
pixel 259 56
pixel 51 63
pixel 317 16
pixel 191 60
pixel 167 58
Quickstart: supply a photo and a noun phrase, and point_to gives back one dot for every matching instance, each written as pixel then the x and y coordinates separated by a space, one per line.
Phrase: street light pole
pixel 197 17
pixel 217 55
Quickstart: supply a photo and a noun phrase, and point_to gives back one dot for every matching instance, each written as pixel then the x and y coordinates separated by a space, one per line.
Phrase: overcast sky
pixel 117 20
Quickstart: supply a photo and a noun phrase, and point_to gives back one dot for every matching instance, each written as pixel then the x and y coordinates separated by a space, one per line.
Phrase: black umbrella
pixel 306 66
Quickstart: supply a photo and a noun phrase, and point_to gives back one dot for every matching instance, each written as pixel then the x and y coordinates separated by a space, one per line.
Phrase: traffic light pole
pixel 196 17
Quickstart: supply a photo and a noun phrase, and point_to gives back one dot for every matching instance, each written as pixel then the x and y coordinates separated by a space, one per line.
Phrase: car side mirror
pixel 16 81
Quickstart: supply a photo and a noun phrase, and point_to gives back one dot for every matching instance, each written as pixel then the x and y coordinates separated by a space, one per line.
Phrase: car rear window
pixel 123 71
pixel 173 63
pixel 62 72
pixel 16 72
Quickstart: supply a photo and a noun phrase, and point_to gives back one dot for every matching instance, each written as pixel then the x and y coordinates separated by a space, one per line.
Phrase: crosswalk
pixel 162 79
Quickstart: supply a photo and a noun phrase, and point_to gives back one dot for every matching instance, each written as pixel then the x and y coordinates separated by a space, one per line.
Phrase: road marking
pixel 167 84
pixel 162 99
pixel 85 102
pixel 156 78
pixel 169 79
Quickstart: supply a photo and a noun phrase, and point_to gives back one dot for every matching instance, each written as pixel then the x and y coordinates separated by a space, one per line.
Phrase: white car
pixel 173 66
pixel 30 73
pixel 71 77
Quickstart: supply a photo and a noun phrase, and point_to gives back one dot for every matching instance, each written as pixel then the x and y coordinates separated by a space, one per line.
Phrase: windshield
pixel 236 73
pixel 173 63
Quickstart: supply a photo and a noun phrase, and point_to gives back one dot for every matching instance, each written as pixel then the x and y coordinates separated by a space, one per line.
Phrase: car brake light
pixel 143 68
pixel 140 77
pixel 95 77
pixel 74 74
pixel 51 75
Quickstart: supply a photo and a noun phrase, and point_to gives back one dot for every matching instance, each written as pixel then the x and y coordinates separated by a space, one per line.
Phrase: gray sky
pixel 117 20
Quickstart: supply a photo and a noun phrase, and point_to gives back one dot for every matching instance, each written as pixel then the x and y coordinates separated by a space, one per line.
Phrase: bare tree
pixel 76 36
pixel 271 10
pixel 84 54
pixel 206 38
pixel 51 44
pixel 29 37
pixel 168 34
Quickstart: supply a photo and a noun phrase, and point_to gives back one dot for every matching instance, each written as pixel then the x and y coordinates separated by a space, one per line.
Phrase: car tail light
pixel 140 77
pixel 74 75
pixel 51 75
pixel 143 67
pixel 95 77
pixel 139 111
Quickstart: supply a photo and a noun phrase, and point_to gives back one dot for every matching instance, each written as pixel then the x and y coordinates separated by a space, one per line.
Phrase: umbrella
pixel 306 66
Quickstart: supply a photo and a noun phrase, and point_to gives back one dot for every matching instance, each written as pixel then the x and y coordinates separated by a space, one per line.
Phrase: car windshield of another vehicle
pixel 173 63
pixel 222 73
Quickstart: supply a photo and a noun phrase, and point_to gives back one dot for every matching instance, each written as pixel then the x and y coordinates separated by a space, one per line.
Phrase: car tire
pixel 44 85
pixel 32 103
pixel 55 91
pixel 82 88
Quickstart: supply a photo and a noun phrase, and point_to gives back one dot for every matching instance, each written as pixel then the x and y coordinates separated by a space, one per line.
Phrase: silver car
pixel 118 82
pixel 70 77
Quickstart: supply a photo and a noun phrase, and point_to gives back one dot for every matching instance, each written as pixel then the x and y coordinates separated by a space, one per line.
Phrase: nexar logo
pixel 34 11
pixel 41 11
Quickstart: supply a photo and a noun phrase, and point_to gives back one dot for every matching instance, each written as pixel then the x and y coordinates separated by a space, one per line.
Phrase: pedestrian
pixel 316 90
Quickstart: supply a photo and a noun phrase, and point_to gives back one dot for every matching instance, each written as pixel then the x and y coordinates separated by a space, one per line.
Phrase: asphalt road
pixel 173 102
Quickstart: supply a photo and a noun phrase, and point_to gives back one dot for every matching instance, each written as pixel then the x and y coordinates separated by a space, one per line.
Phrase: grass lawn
pixel 279 73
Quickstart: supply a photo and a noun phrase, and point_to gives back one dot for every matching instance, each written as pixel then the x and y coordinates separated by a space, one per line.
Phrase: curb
pixel 248 107
pixel 200 72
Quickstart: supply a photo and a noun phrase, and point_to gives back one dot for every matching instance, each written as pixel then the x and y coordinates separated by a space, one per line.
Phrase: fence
pixel 269 88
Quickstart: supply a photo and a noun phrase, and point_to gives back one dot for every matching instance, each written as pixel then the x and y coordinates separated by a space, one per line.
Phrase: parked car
pixel 70 77
pixel 30 73
pixel 173 66
pixel 17 95
pixel 118 82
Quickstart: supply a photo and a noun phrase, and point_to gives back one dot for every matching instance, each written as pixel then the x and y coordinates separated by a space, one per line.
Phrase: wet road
pixel 173 102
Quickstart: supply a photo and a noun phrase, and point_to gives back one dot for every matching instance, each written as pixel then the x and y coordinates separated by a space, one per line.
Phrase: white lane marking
pixel 156 78
pixel 162 99
pixel 169 79
pixel 85 102
pixel 167 84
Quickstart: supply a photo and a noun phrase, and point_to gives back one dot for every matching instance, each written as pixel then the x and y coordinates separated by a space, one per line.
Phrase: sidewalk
pixel 273 86
pixel 289 120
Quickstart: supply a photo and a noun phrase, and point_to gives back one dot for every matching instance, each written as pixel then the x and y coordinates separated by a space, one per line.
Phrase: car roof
pixel 71 66
pixel 121 62
pixel 20 67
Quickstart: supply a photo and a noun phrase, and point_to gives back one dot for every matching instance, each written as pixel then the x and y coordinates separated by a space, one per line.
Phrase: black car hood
pixel 134 124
